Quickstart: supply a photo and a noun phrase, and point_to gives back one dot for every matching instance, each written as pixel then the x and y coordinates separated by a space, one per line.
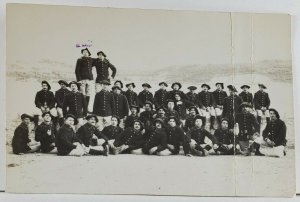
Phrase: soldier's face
pixel 73 87
pixel 69 121
pixel 245 90
pixel 26 121
pixel 192 91
pixel 103 86
pixel 114 121
pixel 145 88
pixel 137 126
pixel 205 88
pixel 172 123
pixel 117 91
pixel 85 53
pixel 158 125
pixel 193 112
pixel 171 105
pixel 92 121
pixel 45 86
pixel 273 115
pixel 147 107
pixel 162 86
pixel 161 111
pixel 176 87
pixel 133 110
pixel 118 84
pixel 198 123
pixel 100 56
pixel 177 97
pixel 62 85
pixel 47 118
pixel 224 125
pixel 219 87
pixel 130 87
pixel 261 88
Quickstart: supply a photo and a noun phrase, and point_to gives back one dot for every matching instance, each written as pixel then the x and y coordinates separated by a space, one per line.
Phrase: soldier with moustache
pixel 120 85
pixel 219 97
pixel 131 96
pixel 190 121
pixel 60 95
pixel 161 95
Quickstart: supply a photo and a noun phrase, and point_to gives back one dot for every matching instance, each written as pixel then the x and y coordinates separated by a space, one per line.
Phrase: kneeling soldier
pixel 196 138
pixel 225 139
pixel 157 138
pixel 45 134
pixel 21 143
pixel 94 141
pixel 131 140
pixel 274 135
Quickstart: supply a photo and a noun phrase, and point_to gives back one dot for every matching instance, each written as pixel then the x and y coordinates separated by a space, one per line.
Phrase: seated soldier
pixel 134 109
pixel 21 143
pixel 68 144
pixel 274 135
pixel 157 138
pixel 248 131
pixel 147 116
pixel 170 110
pixel 190 121
pixel 131 140
pixel 175 138
pixel 225 139
pixel 196 137
pixel 94 141
pixel 161 113
pixel 112 131
pixel 45 134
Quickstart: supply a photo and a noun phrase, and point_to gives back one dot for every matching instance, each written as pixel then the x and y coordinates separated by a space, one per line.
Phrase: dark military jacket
pixel 21 139
pixel 65 138
pixel 147 118
pixel 156 137
pixel 205 99
pixel 42 136
pixel 44 98
pixel 145 96
pixel 130 121
pixel 189 123
pixel 247 97
pixel 171 94
pixel 85 134
pixel 248 125
pixel 192 98
pixel 60 96
pixel 120 105
pixel 276 132
pixel 132 97
pixel 181 109
pixel 112 132
pixel 160 98
pixel 134 139
pixel 231 105
pixel 199 134
pixel 83 68
pixel 224 137
pixel 172 113
pixel 176 137
pixel 103 104
pixel 261 99
pixel 76 103
pixel 219 97
pixel 102 67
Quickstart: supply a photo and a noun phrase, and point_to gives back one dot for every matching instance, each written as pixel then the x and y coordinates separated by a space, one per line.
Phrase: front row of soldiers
pixel 165 135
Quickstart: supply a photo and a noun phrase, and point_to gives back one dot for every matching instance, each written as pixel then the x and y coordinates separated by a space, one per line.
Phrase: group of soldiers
pixel 76 122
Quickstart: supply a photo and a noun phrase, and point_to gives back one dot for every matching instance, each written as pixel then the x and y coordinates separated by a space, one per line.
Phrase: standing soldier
pixel 219 97
pixel 181 107
pixel 120 105
pixel 75 103
pixel 176 89
pixel 246 95
pixel 192 96
pixel 45 101
pixel 145 95
pixel 231 105
pixel 120 85
pixel 161 95
pixel 84 74
pixel 206 104
pixel 103 105
pixel 262 103
pixel 102 66
pixel 131 95
pixel 60 97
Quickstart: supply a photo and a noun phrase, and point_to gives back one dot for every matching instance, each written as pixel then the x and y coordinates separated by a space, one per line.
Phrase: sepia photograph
pixel 148 102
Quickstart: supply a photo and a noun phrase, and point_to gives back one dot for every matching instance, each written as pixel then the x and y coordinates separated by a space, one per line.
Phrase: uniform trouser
pixel 87 88
pixel 103 122
pixel 210 111
pixel 224 149
pixel 52 111
pixel 272 151
pixel 78 151
pixel 260 113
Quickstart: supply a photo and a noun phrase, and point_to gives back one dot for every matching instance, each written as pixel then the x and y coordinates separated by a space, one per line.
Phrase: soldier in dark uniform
pixel 145 95
pixel 103 105
pixel 225 139
pixel 131 140
pixel 59 98
pixel 181 107
pixel 261 103
pixel 192 96
pixel 246 95
pixel 21 143
pixel 45 134
pixel 45 101
pixel 161 114
pixel 112 132
pixel 84 74
pixel 206 104
pixel 171 109
pixel 190 121
pixel 94 141
pixel 131 96
pixel 156 138
pixel 146 116
pixel 231 105
pixel 274 135
pixel 120 106
pixel 219 97
pixel 102 67
pixel 134 115
pixel 196 136
pixel 161 95
pixel 248 130
pixel 75 103
pixel 120 85
pixel 176 89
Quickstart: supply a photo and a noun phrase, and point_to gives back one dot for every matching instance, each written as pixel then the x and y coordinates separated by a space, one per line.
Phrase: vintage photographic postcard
pixel 152 102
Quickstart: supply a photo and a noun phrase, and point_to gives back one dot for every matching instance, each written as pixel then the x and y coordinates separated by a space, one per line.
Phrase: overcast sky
pixel 135 38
